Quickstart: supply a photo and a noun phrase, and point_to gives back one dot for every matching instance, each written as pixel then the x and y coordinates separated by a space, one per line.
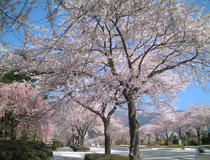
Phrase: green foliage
pixel 175 141
pixel 152 142
pixel 206 138
pixel 121 141
pixel 11 77
pixel 205 134
pixel 56 144
pixel 45 97
pixel 105 157
pixel 8 123
pixel 185 143
pixel 21 150
pixel 194 142
pixel 79 148
pixel 190 134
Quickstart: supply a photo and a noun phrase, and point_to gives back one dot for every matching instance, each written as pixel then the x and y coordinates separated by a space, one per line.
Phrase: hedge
pixel 105 157
pixel 56 144
pixel 21 150
pixel 79 148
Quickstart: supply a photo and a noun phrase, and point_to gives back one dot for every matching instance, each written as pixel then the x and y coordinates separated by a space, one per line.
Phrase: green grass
pixel 105 157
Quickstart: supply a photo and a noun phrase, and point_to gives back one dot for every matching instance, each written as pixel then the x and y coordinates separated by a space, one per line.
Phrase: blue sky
pixel 204 3
pixel 193 94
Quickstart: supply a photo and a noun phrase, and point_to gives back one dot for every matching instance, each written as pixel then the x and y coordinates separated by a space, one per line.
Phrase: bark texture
pixel 107 136
pixel 133 126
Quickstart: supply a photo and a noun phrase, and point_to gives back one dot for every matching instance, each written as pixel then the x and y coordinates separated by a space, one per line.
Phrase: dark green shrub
pixel 22 150
pixel 205 141
pixel 186 143
pixel 194 142
pixel 175 141
pixel 105 157
pixel 5 155
pixel 79 148
pixel 121 142
pixel 206 138
pixel 56 144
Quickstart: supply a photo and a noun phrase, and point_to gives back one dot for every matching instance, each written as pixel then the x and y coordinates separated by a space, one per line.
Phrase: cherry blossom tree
pixel 147 51
pixel 105 112
pixel 165 123
pixel 14 14
pixel 195 118
pixel 199 119
pixel 120 133
pixel 27 108
pixel 73 124
pixel 161 125
pixel 181 124
pixel 146 132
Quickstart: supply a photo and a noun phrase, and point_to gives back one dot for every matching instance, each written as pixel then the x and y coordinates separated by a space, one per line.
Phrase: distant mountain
pixel 143 119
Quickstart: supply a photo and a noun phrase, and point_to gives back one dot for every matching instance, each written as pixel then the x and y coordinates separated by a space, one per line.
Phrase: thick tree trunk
pixel 82 140
pixel 107 136
pixel 167 138
pixel 149 140
pixel 83 133
pixel 134 131
pixel 133 125
pixel 198 135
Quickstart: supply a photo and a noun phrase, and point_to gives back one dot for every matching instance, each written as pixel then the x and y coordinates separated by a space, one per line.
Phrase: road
pixel 66 153
pixel 169 154
pixel 160 153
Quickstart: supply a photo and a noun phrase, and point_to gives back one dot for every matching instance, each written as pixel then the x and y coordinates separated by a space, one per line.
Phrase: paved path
pixel 66 153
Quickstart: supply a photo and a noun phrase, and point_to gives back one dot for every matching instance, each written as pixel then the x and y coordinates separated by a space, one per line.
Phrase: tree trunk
pixel 107 136
pixel 157 139
pixel 13 136
pixel 198 135
pixel 181 136
pixel 134 131
pixel 82 139
pixel 35 132
pixel 149 140
pixel 5 133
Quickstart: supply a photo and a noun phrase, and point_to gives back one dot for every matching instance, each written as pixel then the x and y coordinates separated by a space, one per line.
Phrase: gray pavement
pixel 66 153
pixel 168 154
pixel 160 153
